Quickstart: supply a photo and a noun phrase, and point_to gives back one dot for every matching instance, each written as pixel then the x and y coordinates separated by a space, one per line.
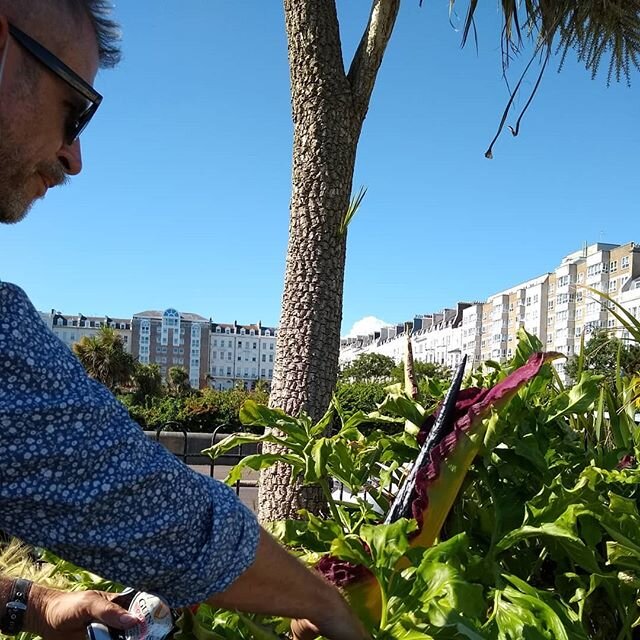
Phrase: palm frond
pixel 353 207
pixel 627 320
pixel 592 28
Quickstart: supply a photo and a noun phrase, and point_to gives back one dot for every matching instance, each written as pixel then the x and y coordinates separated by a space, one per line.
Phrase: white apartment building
pixel 557 307
pixel 244 353
pixel 435 338
pixel 71 329
pixel 214 354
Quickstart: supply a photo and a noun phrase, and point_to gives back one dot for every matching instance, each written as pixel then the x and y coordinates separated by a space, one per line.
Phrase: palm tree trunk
pixel 328 110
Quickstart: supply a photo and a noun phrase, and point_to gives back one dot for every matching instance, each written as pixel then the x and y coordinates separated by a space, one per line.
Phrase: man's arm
pixel 277 583
pixel 61 615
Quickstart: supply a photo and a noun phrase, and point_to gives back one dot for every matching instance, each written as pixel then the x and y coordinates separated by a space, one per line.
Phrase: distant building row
pixel 214 354
pixel 556 307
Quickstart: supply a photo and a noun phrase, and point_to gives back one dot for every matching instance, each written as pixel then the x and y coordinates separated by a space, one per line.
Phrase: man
pixel 76 475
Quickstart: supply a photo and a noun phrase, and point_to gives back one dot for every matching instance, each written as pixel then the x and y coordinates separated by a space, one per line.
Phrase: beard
pixel 14 202
pixel 15 175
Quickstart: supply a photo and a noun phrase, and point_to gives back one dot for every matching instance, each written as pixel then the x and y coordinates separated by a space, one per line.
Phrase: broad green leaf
pixel 351 548
pixel 257 631
pixel 566 537
pixel 262 461
pixel 622 556
pixel 238 439
pixel 316 455
pixel 578 399
pixel 388 542
pixel 400 405
pixel 322 426
pixel 254 414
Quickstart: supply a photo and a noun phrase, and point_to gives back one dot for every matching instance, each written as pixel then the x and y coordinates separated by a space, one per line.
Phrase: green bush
pixel 199 412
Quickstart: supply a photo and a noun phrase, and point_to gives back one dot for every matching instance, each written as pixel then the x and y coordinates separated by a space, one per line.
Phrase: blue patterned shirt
pixel 79 477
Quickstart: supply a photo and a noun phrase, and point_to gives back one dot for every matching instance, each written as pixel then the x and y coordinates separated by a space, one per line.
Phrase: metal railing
pixel 190 450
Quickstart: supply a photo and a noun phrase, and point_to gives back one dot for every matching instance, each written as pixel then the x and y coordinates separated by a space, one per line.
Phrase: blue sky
pixel 183 201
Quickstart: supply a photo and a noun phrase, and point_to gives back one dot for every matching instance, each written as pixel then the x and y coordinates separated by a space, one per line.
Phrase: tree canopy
pixel 600 355
pixel 105 358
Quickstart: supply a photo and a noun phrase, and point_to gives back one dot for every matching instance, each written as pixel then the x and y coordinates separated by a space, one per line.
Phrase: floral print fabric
pixel 79 477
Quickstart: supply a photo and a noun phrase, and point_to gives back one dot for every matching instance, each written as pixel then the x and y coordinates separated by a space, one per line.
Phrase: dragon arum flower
pixel 438 481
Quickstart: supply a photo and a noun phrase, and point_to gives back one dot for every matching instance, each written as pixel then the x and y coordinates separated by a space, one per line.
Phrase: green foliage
pixel 198 412
pixel 105 358
pixel 147 383
pixel 178 381
pixel 543 541
pixel 607 356
pixel 431 370
pixel 368 367
pixel 354 397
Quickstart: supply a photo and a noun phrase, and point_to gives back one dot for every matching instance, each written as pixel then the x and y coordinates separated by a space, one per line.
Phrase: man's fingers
pixel 303 630
pixel 109 613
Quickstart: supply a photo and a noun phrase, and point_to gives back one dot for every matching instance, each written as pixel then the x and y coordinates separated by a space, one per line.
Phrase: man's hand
pixel 62 615
pixel 342 626
pixel 279 584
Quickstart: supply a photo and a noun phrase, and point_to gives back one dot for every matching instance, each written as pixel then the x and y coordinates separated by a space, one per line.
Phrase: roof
pixel 158 315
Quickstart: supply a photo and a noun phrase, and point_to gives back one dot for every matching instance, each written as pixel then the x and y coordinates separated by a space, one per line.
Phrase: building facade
pixel 71 329
pixel 172 339
pixel 241 354
pixel 561 308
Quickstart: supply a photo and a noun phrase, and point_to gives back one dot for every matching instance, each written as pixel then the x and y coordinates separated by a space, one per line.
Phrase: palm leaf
pixel 354 205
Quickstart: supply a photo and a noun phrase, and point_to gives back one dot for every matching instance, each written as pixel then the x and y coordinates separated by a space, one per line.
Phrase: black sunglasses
pixel 74 126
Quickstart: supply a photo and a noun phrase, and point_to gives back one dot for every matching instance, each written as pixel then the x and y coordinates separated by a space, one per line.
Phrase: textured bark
pixel 328 109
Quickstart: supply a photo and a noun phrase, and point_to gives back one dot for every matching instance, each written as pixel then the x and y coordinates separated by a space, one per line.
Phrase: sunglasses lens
pixel 75 127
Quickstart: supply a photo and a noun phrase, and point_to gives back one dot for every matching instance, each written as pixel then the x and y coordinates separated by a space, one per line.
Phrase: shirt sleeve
pixel 79 477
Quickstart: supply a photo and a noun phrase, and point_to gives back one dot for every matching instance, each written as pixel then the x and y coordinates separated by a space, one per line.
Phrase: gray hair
pixel 107 31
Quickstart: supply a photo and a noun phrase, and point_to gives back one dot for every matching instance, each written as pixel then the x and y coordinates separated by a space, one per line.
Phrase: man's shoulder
pixel 14 300
pixel 12 293
pixel 17 313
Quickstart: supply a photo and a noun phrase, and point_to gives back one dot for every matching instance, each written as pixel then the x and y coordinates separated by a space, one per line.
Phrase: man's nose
pixel 70 157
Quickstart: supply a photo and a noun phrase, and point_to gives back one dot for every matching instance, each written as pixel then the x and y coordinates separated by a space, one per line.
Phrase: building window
pixel 613 266
pixel 624 263
pixel 218 330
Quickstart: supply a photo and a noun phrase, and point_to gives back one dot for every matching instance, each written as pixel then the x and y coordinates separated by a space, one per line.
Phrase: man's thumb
pixel 112 615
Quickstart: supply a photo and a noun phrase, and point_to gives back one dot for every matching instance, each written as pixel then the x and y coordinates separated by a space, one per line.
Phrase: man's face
pixel 35 104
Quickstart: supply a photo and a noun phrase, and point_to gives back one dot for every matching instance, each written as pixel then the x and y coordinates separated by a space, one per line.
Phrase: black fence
pixel 188 448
